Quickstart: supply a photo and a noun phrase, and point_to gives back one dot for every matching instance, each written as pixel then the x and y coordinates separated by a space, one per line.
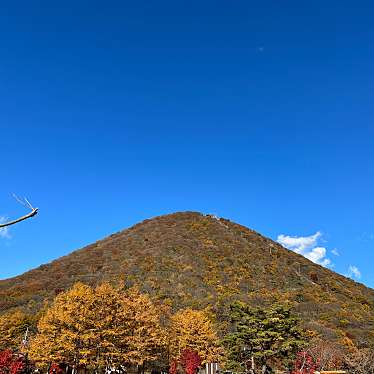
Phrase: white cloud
pixel 298 243
pixel 354 272
pixel 335 252
pixel 4 232
pixel 318 255
pixel 306 246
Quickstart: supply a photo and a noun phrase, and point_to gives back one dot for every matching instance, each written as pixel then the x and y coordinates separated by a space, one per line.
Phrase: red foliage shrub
pixel 55 369
pixel 190 360
pixel 5 361
pixel 9 363
pixel 304 364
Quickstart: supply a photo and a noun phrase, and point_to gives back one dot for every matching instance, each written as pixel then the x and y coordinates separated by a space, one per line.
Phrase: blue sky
pixel 260 112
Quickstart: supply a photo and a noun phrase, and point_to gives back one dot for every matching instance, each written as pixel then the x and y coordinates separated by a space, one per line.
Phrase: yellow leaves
pixel 65 328
pixel 13 326
pixel 93 327
pixel 311 334
pixel 147 336
pixel 97 326
pixel 192 329
pixel 348 344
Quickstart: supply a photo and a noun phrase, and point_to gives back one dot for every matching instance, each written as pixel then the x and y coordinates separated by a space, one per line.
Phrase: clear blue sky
pixel 261 112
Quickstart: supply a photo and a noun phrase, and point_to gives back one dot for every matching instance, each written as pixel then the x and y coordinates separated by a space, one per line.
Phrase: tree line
pixel 110 327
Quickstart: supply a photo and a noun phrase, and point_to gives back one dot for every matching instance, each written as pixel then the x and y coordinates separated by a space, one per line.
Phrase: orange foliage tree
pixel 98 328
pixel 193 330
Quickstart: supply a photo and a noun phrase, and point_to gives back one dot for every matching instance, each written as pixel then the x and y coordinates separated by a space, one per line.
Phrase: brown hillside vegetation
pixel 193 260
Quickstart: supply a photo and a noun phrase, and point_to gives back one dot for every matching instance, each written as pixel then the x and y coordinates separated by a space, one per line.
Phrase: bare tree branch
pixel 26 204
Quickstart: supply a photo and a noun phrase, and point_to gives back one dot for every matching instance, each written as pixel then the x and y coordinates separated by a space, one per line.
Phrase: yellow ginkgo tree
pixel 65 331
pixel 13 327
pixel 97 328
pixel 193 330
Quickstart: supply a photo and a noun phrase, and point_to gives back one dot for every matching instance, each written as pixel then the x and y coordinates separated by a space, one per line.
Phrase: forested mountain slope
pixel 190 259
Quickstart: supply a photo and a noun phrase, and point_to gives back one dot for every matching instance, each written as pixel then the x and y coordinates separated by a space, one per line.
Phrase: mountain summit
pixel 197 260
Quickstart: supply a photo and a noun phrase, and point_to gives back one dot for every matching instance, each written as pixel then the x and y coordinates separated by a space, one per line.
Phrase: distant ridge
pixel 196 260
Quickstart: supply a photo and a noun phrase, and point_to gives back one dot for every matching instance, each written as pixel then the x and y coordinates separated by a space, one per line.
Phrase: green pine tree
pixel 262 336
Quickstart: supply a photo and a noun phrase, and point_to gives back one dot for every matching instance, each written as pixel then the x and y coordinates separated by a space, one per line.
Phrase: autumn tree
pixel 262 336
pixel 97 328
pixel 9 363
pixel 64 332
pixel 305 364
pixel 127 327
pixel 146 338
pixel 193 330
pixel 190 361
pixel 54 369
pixel 13 326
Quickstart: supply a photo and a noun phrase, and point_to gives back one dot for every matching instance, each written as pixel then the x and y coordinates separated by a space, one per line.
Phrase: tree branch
pixel 26 203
